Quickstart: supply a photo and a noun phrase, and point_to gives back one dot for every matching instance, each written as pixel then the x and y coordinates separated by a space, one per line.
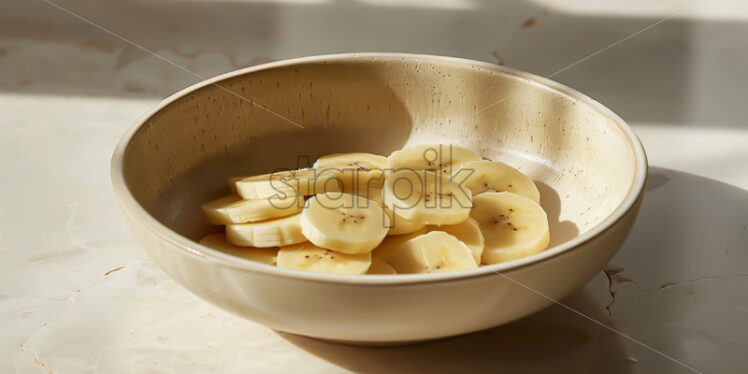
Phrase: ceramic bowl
pixel 588 164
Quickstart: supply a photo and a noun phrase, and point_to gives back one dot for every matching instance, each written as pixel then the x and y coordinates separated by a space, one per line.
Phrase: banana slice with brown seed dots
pixel 307 256
pixel 344 222
pixel 513 226
pixel 498 177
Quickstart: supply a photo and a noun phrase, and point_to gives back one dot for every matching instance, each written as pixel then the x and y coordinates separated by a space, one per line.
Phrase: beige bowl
pixel 589 165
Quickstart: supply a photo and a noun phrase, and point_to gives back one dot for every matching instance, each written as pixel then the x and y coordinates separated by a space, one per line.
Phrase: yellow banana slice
pixel 233 209
pixel 273 233
pixel 307 256
pixel 498 176
pixel 399 225
pixel 386 250
pixel 433 252
pixel 343 222
pixel 232 184
pixel 359 170
pixel 468 232
pixel 513 226
pixel 380 267
pixel 440 158
pixel 301 182
pixel 263 255
pixel 426 197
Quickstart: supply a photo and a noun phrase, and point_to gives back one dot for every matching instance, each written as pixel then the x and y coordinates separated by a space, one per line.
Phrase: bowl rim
pixel 131 207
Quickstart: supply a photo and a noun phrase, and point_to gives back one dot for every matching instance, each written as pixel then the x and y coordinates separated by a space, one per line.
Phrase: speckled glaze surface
pixel 588 164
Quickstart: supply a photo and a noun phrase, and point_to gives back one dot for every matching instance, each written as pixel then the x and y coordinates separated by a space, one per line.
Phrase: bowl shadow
pixel 561 231
pixel 540 343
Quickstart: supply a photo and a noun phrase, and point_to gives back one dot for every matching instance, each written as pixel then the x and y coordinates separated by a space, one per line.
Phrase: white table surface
pixel 77 295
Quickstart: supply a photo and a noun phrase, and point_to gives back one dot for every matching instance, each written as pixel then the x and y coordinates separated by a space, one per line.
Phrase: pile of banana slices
pixel 424 209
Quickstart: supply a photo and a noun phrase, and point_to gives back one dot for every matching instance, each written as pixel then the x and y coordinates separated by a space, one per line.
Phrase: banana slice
pixel 380 267
pixel 513 225
pixel 233 209
pixel 232 184
pixel 359 170
pixel 385 251
pixel 344 222
pixel 273 233
pixel 307 256
pixel 433 252
pixel 263 255
pixel 441 158
pixel 498 176
pixel 399 225
pixel 468 232
pixel 301 182
pixel 426 197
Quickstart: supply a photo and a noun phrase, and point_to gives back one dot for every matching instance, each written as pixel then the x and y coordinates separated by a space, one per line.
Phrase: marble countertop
pixel 77 295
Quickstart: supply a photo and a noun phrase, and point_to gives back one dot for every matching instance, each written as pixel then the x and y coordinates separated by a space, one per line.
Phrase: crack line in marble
pixel 38 360
pixel 613 273
pixel 667 285
pixel 630 338
pixel 113 270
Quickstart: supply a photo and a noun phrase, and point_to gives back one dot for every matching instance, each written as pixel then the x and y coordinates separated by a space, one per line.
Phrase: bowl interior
pixel 287 114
